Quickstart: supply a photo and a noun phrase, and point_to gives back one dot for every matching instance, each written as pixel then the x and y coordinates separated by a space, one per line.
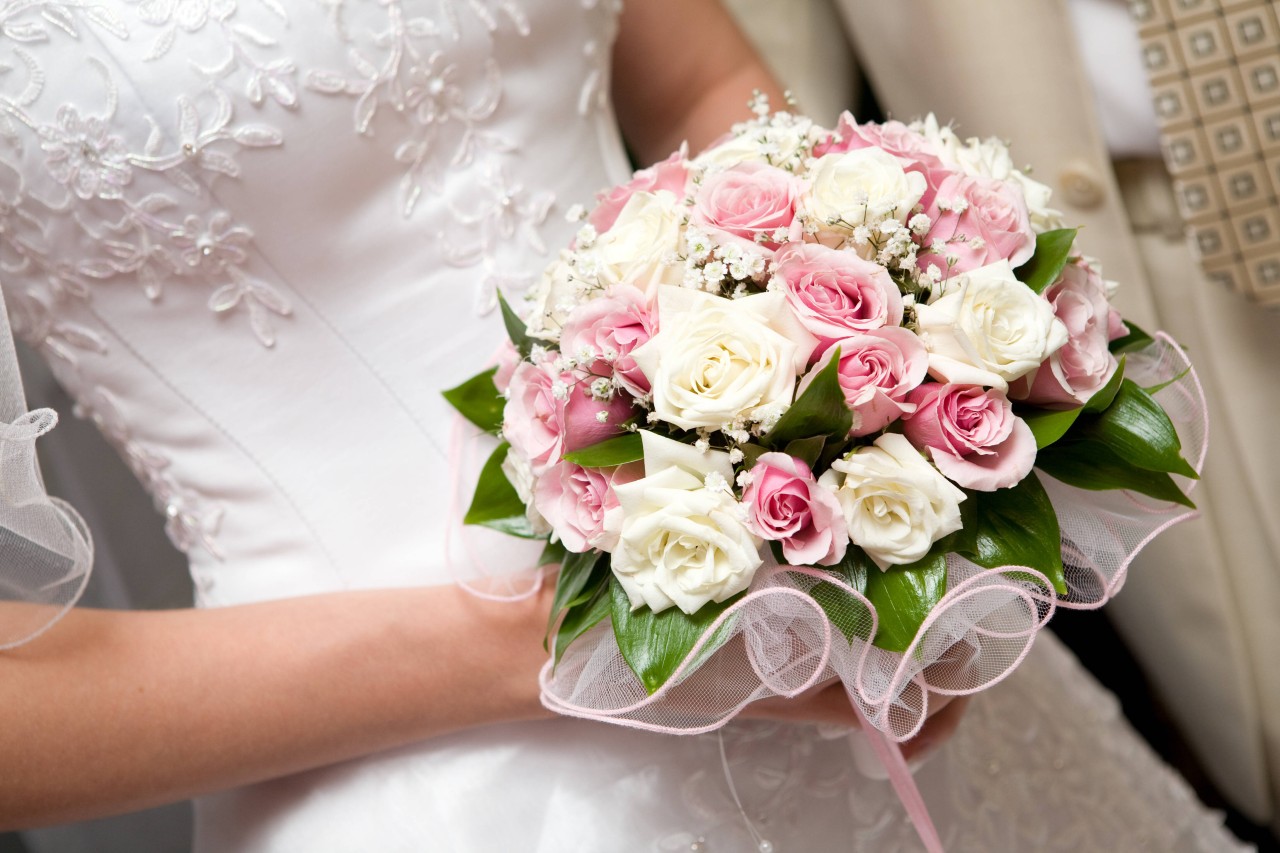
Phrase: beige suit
pixel 1201 607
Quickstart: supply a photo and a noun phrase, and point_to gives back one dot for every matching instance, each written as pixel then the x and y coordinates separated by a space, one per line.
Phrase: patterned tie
pixel 1214 67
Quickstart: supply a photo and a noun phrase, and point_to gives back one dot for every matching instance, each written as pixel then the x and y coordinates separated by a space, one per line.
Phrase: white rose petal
pixel 679 542
pixel 844 188
pixel 519 471
pixel 642 241
pixel 895 502
pixel 988 329
pixel 716 361
pixel 549 297
pixel 990 158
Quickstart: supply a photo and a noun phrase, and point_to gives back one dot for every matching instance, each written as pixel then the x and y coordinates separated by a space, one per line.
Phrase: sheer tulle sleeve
pixel 45 548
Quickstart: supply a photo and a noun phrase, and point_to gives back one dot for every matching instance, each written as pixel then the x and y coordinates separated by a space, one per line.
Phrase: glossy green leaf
pixel 554 552
pixel 612 451
pixel 1135 340
pixel 1103 397
pixel 820 411
pixel 575 571
pixel 903 597
pixel 478 401
pixel 587 611
pixel 1053 249
pixel 1160 386
pixel 517 331
pixel 496 503
pixel 1017 527
pixel 1138 430
pixel 1094 466
pixel 807 450
pixel 1048 425
pixel 654 644
pixel 845 611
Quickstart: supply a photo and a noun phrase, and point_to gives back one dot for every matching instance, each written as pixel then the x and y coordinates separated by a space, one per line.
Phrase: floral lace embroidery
pixel 509 213
pixel 594 95
pixel 441 104
pixel 189 521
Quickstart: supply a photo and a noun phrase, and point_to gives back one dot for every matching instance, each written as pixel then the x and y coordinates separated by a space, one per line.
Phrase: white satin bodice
pixel 256 241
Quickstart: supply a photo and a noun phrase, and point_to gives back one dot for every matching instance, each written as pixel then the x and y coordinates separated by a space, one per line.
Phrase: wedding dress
pixel 256 241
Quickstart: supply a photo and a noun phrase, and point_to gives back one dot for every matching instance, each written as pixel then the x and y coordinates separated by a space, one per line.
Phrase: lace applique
pixel 442 103
pixel 189 520
pixel 509 213
pixel 87 159
pixel 244 44
pixel 594 95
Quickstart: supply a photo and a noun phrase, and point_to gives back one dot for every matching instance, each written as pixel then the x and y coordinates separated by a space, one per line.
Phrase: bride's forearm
pixel 114 711
pixel 683 71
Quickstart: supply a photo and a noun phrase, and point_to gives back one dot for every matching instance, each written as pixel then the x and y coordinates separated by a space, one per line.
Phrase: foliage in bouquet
pixel 856 349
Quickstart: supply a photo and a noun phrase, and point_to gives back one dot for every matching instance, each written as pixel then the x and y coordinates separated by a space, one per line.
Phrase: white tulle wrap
pixel 45 549
pixel 778 640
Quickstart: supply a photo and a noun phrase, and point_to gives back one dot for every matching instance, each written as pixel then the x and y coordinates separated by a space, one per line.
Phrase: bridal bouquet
pixel 823 403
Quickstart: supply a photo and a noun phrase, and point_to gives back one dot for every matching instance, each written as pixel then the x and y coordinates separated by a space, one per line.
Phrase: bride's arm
pixel 114 711
pixel 682 71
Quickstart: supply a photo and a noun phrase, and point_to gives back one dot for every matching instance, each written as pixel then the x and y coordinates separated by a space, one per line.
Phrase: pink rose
pixel 736 204
pixel 574 501
pixel 913 150
pixel 972 435
pixel 609 328
pixel 549 414
pixel 981 221
pixel 877 370
pixel 508 361
pixel 672 174
pixel 835 294
pixel 1072 375
pixel 785 504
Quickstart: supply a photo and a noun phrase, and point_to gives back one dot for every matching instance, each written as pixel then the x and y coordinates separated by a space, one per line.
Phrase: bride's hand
pixel 828 704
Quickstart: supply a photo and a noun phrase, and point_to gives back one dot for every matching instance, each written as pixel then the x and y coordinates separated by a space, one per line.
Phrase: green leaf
pixel 516 328
pixel 820 411
pixel 1102 398
pixel 654 644
pixel 1135 340
pixel 903 597
pixel 1017 527
pixel 750 453
pixel 478 401
pixel 807 449
pixel 1094 466
pixel 1048 425
pixel 1053 249
pixel 610 452
pixel 845 611
pixel 575 571
pixel 584 615
pixel 553 553
pixel 496 503
pixel 1160 386
pixel 1138 430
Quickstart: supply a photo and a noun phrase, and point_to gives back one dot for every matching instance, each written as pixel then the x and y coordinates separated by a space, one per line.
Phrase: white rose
pixel 895 502
pixel 988 329
pixel 715 360
pixel 990 158
pixel 519 471
pixel 860 187
pixel 645 236
pixel 774 145
pixel 680 540
pixel 552 298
